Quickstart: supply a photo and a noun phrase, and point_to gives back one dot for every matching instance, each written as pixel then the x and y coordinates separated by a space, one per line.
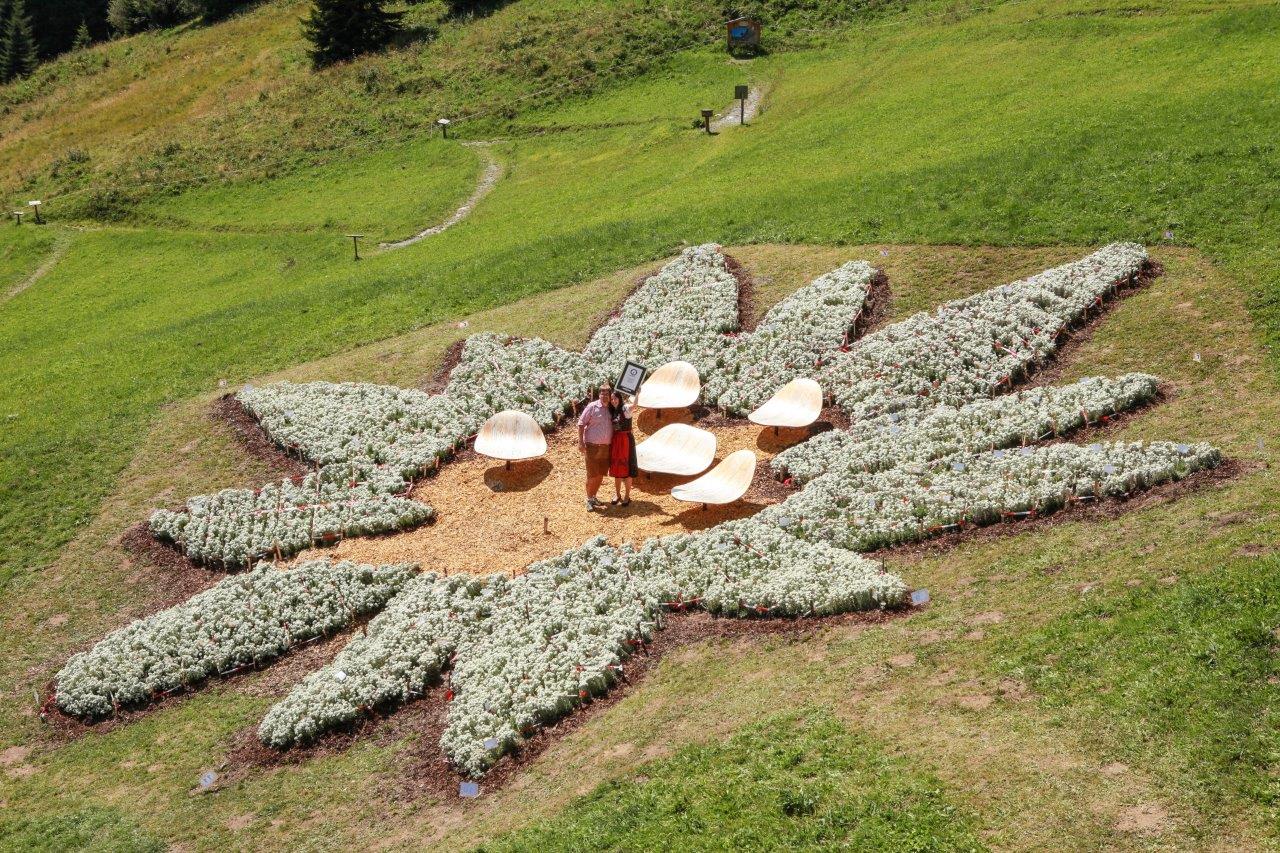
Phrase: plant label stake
pixel 17 217
pixel 706 120
pixel 35 206
pixel 355 244
pixel 444 126
pixel 740 92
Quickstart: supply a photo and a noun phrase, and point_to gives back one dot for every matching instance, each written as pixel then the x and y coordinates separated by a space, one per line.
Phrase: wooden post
pixel 17 217
pixel 706 120
pixel 740 92
pixel 355 244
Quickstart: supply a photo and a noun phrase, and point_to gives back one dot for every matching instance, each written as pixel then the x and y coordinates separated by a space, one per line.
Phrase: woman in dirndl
pixel 622 450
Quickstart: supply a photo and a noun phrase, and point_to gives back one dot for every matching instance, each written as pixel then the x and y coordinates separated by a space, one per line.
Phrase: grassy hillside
pixel 1030 123
pixel 239 101
pixel 1110 683
pixel 1089 684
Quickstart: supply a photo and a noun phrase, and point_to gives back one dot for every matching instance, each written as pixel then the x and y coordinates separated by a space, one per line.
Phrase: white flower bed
pixel 682 312
pixel 245 619
pixel 791 341
pixel 520 653
pixel 865 511
pixel 1023 417
pixel 410 430
pixel 403 650
pixel 529 650
pixel 234 527
pixel 977 346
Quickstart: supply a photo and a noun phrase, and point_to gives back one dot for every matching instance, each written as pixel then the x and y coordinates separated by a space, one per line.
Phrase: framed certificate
pixel 632 375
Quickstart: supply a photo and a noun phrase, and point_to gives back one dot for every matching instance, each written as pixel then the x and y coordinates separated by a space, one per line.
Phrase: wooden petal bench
pixel 677 449
pixel 796 404
pixel 723 484
pixel 509 436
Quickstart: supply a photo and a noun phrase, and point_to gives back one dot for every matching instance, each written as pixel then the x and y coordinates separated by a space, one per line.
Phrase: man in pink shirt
pixel 595 431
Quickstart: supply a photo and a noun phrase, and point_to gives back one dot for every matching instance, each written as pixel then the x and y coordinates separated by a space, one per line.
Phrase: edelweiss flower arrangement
pixel 791 341
pixel 936 443
pixel 1023 417
pixel 245 619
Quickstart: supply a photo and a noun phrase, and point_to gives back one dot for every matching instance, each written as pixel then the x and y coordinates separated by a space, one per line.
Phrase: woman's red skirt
pixel 622 456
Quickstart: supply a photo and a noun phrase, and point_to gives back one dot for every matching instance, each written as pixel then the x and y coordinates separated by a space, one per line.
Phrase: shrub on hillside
pixel 344 29
pixel 134 16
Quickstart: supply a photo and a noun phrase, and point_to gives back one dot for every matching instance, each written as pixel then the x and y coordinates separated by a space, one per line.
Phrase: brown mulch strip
pixel 746 293
pixel 227 410
pixel 170 576
pixel 426 771
pixel 1094 510
pixel 440 378
pixel 875 309
pixel 1075 337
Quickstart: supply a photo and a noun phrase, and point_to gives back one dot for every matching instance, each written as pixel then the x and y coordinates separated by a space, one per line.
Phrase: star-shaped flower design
pixel 939 440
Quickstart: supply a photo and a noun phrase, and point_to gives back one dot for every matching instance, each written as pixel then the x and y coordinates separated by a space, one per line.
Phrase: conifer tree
pixel 343 29
pixel 83 36
pixel 18 45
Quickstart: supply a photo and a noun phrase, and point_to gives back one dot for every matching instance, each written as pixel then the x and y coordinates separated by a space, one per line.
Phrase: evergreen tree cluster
pixel 17 41
pixel 32 31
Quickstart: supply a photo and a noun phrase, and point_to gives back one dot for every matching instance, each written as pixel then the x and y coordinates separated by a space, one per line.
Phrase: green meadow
pixel 1101 683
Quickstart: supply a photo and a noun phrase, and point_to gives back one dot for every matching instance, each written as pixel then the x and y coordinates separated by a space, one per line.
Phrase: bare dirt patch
pixel 14 755
pixel 1143 819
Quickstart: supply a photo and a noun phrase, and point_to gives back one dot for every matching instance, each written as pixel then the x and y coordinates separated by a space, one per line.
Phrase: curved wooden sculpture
pixel 672 386
pixel 511 435
pixel 677 449
pixel 796 404
pixel 723 484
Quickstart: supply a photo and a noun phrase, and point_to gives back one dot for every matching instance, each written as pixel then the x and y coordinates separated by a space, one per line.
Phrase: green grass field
pixel 1031 123
pixel 906 133
pixel 385 195
pixel 1095 683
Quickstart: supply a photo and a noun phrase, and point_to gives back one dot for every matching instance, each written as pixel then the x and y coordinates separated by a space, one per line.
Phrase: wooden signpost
pixel 743 32
pixel 355 244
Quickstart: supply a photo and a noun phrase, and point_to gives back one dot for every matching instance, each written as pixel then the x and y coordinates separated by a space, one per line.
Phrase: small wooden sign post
pixel 444 126
pixel 17 217
pixel 355 244
pixel 740 92
pixel 706 120
pixel 35 206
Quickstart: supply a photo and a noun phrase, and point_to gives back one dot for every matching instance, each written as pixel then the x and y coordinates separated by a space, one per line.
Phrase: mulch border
pixel 253 438
pixel 424 769
pixel 746 293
